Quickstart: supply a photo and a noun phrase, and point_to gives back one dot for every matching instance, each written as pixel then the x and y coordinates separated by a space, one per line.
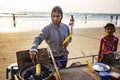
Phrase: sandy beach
pixel 82 39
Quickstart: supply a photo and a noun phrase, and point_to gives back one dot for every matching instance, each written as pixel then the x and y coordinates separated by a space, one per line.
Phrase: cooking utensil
pixel 54 63
pixel 28 72
pixel 100 67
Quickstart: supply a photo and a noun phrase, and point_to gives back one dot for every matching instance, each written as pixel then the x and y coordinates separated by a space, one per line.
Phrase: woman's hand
pixel 32 55
pixel 65 45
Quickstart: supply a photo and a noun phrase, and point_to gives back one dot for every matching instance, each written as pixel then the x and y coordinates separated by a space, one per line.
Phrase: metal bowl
pixel 101 67
pixel 28 72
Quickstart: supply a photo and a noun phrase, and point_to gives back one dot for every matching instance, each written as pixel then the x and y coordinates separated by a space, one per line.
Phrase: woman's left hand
pixel 65 45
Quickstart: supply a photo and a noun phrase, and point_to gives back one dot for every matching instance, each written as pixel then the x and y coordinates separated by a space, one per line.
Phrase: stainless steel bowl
pixel 101 67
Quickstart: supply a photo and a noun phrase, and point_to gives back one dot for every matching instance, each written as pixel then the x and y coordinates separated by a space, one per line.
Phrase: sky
pixel 82 6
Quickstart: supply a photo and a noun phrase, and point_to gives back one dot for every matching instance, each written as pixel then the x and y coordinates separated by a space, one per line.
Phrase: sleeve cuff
pixel 33 50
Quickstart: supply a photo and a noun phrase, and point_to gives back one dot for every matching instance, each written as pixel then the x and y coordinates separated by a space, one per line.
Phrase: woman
pixel 54 34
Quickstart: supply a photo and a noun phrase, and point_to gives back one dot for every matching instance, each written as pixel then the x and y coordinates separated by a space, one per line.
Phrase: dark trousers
pixel 60 60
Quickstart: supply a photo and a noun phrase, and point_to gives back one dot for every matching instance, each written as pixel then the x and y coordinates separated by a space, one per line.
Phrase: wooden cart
pixel 77 72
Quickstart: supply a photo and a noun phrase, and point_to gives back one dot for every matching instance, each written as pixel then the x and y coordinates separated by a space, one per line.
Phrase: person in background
pixel 54 34
pixel 14 20
pixel 111 18
pixel 108 43
pixel 116 20
pixel 71 23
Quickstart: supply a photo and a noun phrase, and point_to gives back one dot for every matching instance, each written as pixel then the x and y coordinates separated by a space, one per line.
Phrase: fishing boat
pixel 76 71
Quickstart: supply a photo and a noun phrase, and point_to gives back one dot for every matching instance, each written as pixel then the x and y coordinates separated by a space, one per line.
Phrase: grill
pixel 28 72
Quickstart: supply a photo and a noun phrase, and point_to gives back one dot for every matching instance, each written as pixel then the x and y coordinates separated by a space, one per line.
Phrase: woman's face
pixel 56 18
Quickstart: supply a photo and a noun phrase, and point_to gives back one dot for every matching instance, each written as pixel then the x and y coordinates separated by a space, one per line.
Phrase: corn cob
pixel 88 62
pixel 66 39
pixel 38 69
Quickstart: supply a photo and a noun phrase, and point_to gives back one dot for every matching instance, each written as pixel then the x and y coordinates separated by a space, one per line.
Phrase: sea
pixel 29 21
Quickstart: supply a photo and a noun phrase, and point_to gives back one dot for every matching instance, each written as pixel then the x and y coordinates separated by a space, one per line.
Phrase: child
pixel 108 43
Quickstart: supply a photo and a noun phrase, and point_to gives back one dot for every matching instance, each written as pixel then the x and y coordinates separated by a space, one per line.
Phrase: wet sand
pixel 86 40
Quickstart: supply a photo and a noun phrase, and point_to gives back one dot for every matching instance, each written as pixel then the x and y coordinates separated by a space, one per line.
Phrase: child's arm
pixel 116 45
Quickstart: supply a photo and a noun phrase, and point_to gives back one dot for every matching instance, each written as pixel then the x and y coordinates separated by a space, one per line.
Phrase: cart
pixel 77 71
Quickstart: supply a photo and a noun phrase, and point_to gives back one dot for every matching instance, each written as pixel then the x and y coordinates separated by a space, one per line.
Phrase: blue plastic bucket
pixel 104 75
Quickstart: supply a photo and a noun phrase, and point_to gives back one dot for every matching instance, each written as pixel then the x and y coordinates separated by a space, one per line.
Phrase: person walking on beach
pixel 71 23
pixel 116 19
pixel 108 44
pixel 14 21
pixel 111 18
pixel 54 34
pixel 85 19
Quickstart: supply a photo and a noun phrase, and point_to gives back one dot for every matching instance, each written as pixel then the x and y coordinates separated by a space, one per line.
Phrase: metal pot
pixel 101 67
pixel 28 72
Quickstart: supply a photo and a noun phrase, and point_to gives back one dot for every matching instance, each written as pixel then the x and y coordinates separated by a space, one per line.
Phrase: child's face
pixel 109 30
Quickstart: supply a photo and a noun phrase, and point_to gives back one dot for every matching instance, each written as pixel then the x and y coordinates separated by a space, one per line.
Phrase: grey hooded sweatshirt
pixel 54 36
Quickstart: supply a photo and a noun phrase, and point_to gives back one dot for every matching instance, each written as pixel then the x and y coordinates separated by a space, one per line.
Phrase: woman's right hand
pixel 32 55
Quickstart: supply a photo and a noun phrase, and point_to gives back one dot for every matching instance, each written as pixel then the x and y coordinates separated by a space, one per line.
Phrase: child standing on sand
pixel 108 43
